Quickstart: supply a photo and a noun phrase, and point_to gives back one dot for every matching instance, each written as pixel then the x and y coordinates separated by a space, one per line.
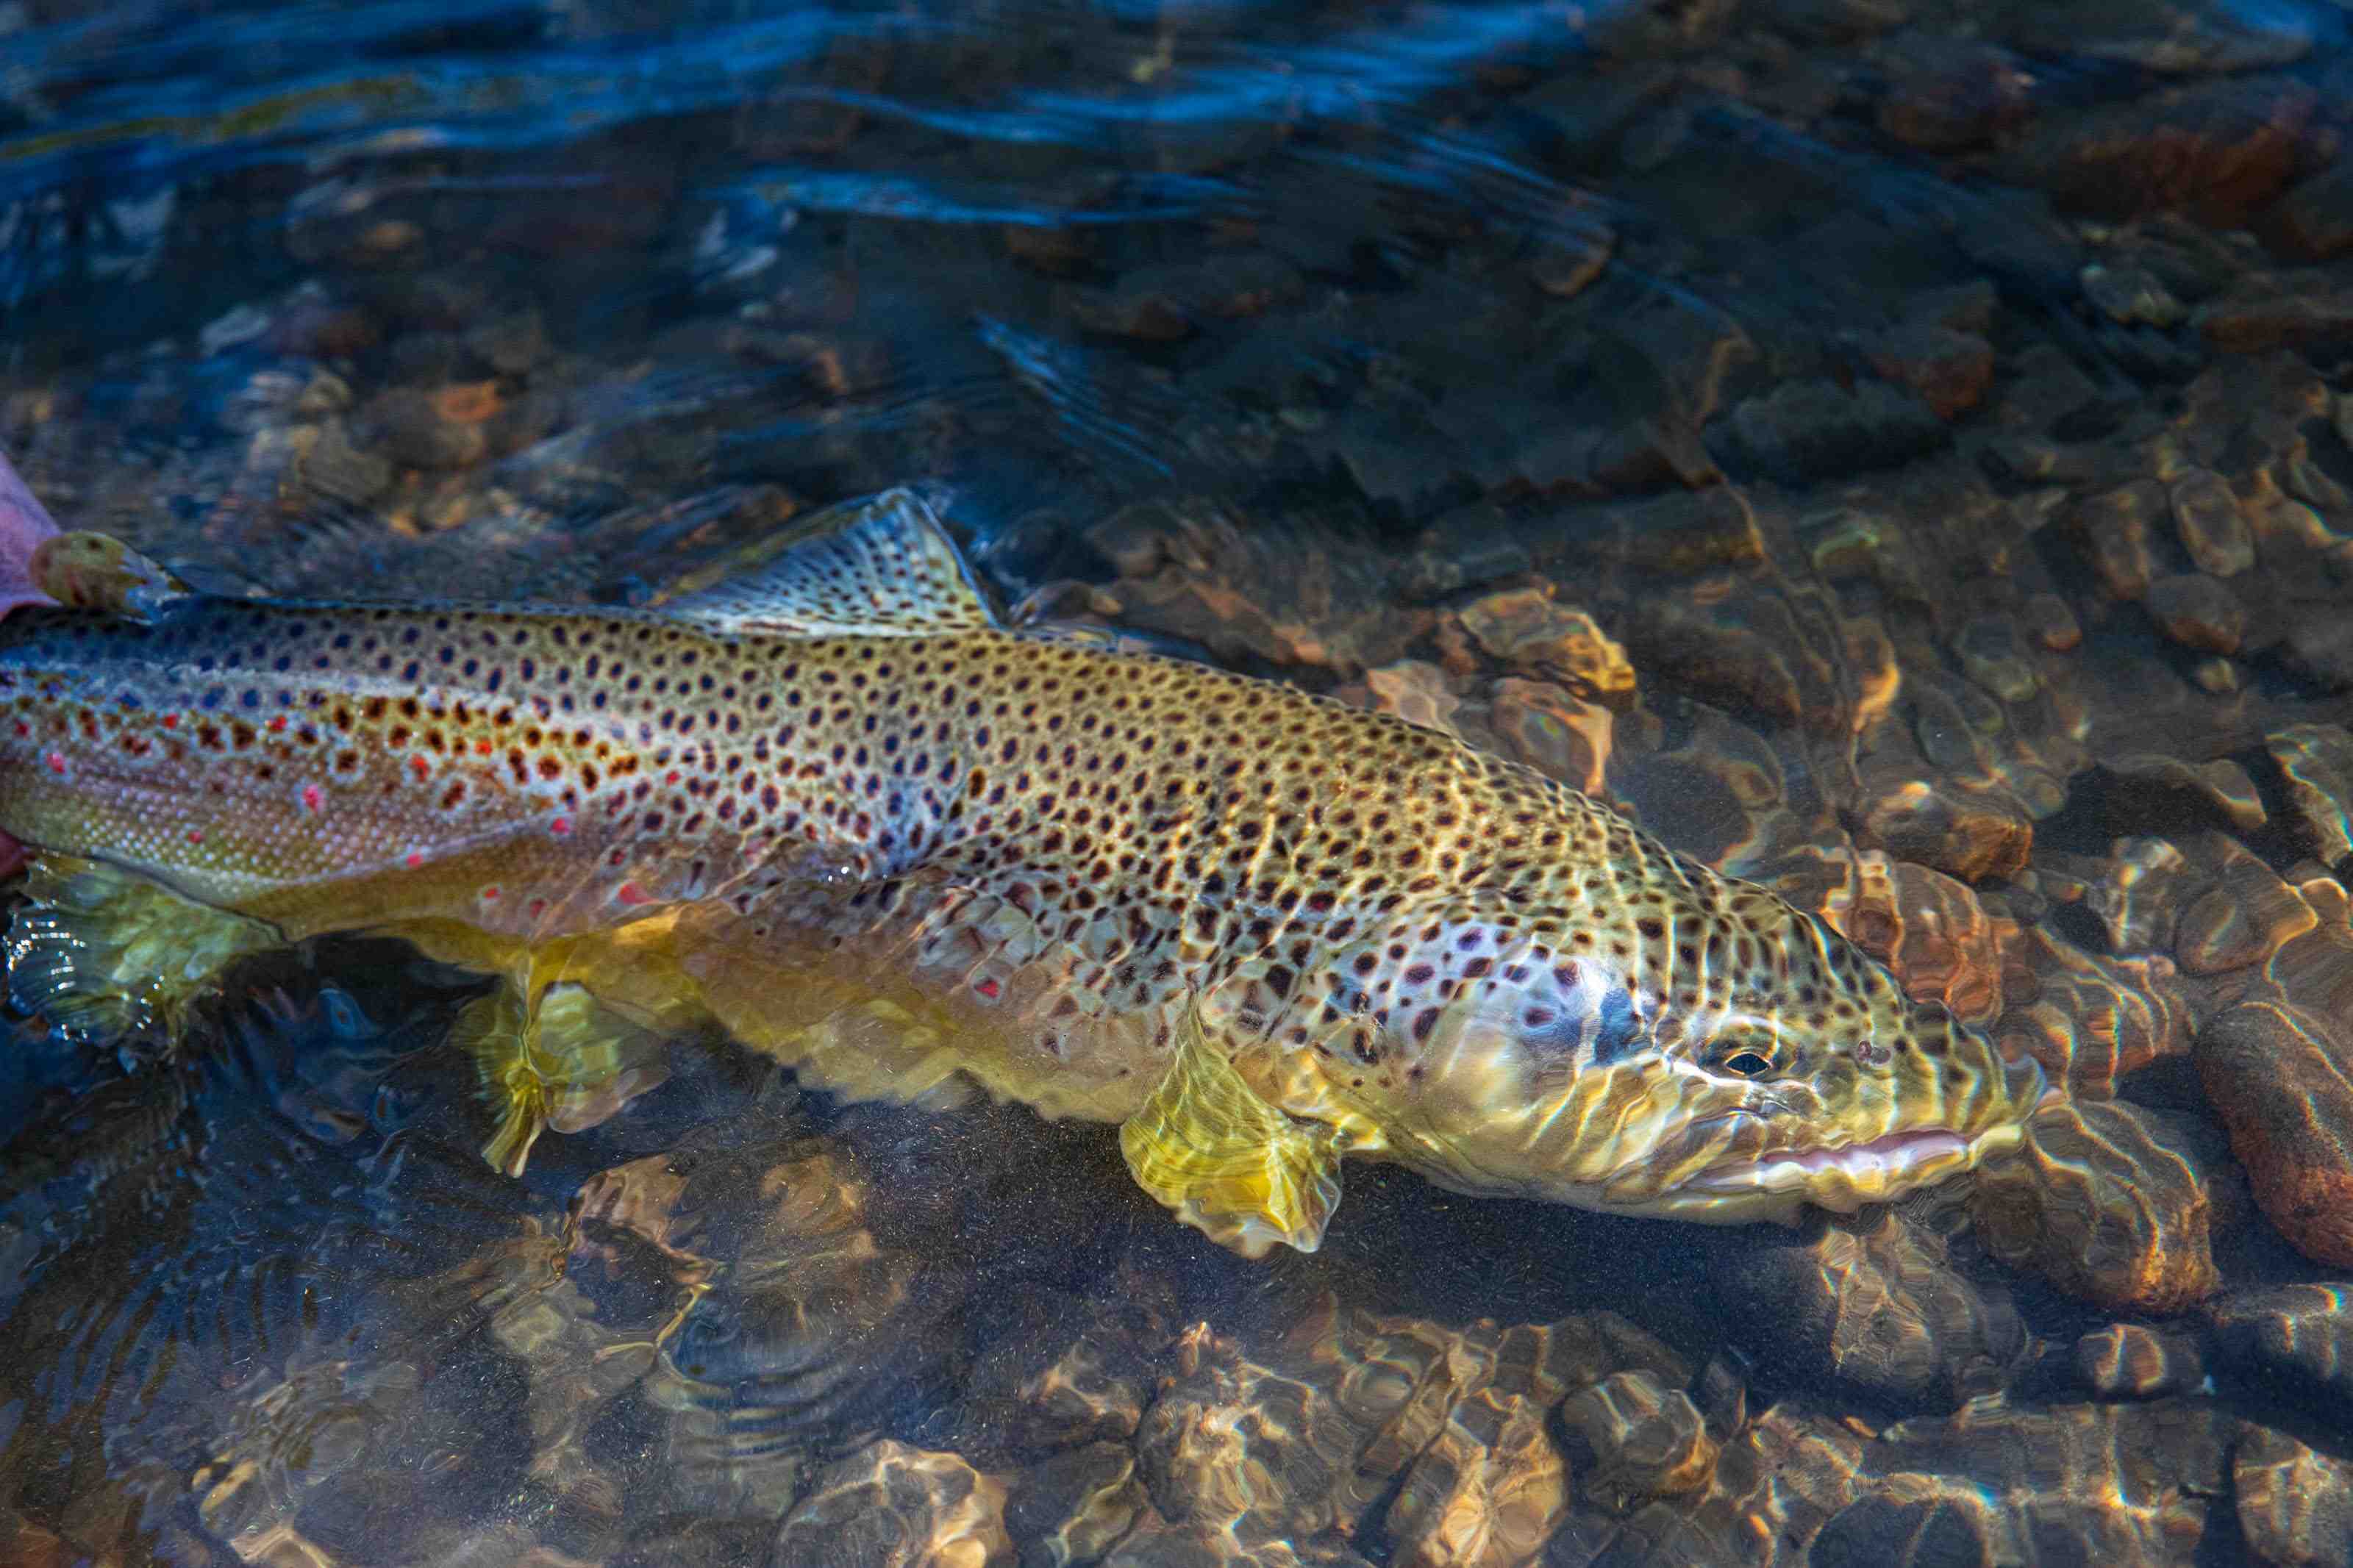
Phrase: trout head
pixel 1693 1048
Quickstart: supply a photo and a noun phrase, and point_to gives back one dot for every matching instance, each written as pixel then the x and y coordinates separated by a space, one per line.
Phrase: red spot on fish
pixel 171 720
pixel 987 988
pixel 56 761
pixel 22 728
pixel 314 798
pixel 490 895
pixel 421 766
pixel 672 777
pixel 278 725
pixel 195 835
pixel 538 908
pixel 560 827
pixel 416 858
pixel 631 894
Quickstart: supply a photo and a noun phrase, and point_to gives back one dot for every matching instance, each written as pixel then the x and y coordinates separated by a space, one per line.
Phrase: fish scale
pixel 831 804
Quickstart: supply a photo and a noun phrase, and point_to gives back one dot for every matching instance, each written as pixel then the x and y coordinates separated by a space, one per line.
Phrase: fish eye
pixel 1748 1064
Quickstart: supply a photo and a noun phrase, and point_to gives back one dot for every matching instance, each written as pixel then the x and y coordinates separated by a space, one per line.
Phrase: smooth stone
pixel 2212 526
pixel 2281 1077
pixel 2117 530
pixel 1874 1300
pixel 2197 612
pixel 2316 763
pixel 1632 1437
pixel 892 1505
pixel 1075 1506
pixel 2300 1335
pixel 2295 1507
pixel 2107 1201
pixel 2131 1361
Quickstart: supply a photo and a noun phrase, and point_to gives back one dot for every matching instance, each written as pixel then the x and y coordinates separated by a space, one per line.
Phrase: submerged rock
pixel 890 1506
pixel 1075 1507
pixel 1524 629
pixel 2295 1507
pixel 2316 763
pixel 1874 1300
pixel 2282 1077
pixel 2129 1361
pixel 2301 1335
pixel 1633 1438
pixel 2109 1202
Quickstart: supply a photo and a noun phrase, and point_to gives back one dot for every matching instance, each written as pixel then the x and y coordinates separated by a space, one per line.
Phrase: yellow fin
pixel 101 953
pixel 98 572
pixel 882 567
pixel 1232 1165
pixel 569 1062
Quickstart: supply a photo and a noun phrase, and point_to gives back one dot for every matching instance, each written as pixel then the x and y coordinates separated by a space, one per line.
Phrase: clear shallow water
pixel 1941 406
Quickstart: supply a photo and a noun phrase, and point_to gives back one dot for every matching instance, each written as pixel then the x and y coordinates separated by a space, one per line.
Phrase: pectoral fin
pixel 565 1059
pixel 1230 1164
pixel 103 954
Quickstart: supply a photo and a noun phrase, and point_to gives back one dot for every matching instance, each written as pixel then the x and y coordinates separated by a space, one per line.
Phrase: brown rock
pixel 2300 309
pixel 1733 642
pixel 422 430
pixel 1565 264
pixel 2295 1507
pixel 1415 690
pixel 1068 1373
pixel 2301 1335
pixel 1974 835
pixel 2197 612
pixel 1945 93
pixel 2245 917
pixel 1488 1491
pixel 2091 1021
pixel 2212 526
pixel 2107 1201
pixel 890 1506
pixel 2117 527
pixel 1872 1300
pixel 2124 1483
pixel 1995 656
pixel 1950 371
pixel 2316 763
pixel 2052 623
pixel 1632 1437
pixel 2282 1078
pixel 1687 532
pixel 2314 220
pixel 2137 891
pixel 2129 1361
pixel 1542 725
pixel 1235 1446
pixel 2133 296
pixel 1281 595
pixel 1076 1506
pixel 1934 932
pixel 2216 150
pixel 1525 628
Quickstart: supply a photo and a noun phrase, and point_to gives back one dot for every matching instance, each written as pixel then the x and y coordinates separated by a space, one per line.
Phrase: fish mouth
pixel 1843 1177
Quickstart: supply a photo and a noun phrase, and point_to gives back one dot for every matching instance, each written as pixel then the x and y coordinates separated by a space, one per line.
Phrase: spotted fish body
pixel 835 807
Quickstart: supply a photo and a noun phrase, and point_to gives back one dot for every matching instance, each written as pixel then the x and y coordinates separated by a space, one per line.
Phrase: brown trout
pixel 836 806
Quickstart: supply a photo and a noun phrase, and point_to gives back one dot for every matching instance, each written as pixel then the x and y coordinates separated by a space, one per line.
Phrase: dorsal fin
pixel 882 567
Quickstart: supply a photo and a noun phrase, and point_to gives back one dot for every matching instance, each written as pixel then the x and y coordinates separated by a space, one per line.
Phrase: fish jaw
pixel 1625 1076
